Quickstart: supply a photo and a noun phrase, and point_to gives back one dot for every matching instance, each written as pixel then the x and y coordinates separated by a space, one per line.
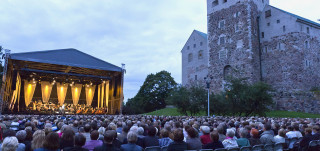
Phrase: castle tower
pixel 233 40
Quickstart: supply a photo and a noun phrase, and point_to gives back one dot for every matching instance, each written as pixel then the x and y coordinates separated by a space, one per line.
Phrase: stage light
pixel 91 83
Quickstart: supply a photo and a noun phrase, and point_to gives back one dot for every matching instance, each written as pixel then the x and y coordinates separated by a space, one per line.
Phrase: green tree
pixel 153 93
pixel 180 98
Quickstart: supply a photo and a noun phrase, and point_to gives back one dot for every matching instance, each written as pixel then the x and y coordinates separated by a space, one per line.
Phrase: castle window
pixel 190 57
pixel 215 3
pixel 201 43
pixel 200 54
pixel 195 77
pixel 278 21
pixel 262 35
pixel 237 14
pixel 308 63
pixel 224 1
pixel 222 40
pixel 221 24
pixel 284 28
pixel 227 72
pixel 262 1
pixel 237 28
pixel 266 49
pixel 194 45
pixel 306 44
pixel 268 13
pixel 188 47
pixel 268 24
pixel 223 54
pixel 281 46
pixel 308 30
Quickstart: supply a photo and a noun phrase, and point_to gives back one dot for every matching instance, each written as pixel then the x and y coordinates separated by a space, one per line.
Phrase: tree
pixel 189 99
pixel 153 93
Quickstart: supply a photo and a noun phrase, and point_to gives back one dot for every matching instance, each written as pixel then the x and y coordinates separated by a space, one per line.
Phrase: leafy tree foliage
pixel 153 93
pixel 189 100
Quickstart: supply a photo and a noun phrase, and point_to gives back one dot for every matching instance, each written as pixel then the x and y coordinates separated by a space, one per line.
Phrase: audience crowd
pixel 136 132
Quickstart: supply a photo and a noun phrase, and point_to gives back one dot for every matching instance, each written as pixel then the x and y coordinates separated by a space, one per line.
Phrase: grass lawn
pixel 174 112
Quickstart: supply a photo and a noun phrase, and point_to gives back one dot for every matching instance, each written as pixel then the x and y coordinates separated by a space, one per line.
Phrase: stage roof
pixel 67 57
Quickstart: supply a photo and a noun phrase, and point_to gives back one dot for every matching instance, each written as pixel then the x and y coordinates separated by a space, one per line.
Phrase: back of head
pixel 316 128
pixel 51 141
pixel 94 135
pixel 152 131
pixel 87 128
pixel 21 135
pixel 178 135
pixel 80 140
pixel 10 144
pixel 140 131
pixel 214 135
pixel 230 133
pixel 255 133
pixel 308 130
pixel 108 136
pixel 267 127
pixel 132 137
pixel 8 132
pixel 192 133
pixel 282 133
pixel 38 139
pixel 205 129
pixel 68 135
pixel 243 132
pixel 164 133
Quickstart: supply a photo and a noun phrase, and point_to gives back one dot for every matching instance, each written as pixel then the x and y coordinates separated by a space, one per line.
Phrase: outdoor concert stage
pixel 65 81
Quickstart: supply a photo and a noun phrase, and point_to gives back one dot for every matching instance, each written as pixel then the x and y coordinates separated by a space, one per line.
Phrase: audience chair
pixel 313 146
pixel 206 149
pixel 245 148
pixel 165 148
pixel 268 147
pixel 153 148
pixel 220 149
pixel 257 148
pixel 233 149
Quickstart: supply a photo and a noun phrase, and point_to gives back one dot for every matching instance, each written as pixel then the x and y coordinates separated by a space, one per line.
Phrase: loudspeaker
pixel 14 80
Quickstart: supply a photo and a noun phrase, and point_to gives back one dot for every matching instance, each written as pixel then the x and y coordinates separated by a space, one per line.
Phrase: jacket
pixel 267 137
pixel 131 147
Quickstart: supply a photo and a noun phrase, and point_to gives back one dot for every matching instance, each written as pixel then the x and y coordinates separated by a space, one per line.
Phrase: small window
pixel 284 28
pixel 278 21
pixel 194 45
pixel 237 28
pixel 188 47
pixel 195 77
pixel 262 35
pixel 266 49
pixel 190 57
pixel 215 3
pixel 308 63
pixel 201 43
pixel 301 27
pixel 222 40
pixel 237 14
pixel 200 54
pixel 223 54
pixel 262 1
pixel 306 44
pixel 268 24
pixel 308 30
pixel 268 13
pixel 221 24
pixel 224 1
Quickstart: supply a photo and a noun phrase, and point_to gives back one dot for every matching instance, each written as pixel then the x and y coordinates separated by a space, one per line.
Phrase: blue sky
pixel 146 35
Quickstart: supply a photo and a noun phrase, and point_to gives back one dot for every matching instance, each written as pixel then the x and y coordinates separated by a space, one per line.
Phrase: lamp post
pixel 208 82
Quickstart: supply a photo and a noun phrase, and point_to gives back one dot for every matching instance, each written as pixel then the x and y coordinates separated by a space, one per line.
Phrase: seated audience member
pixel 67 138
pixel 94 142
pixel 221 131
pixel 115 142
pixel 38 139
pixel 101 131
pixel 21 136
pixel 87 129
pixel 79 141
pixel 281 137
pixel 131 146
pixel 51 143
pixel 230 142
pixel 243 141
pixel 254 139
pixel 216 143
pixel 205 138
pixel 164 140
pixel 178 144
pixel 193 140
pixel 123 135
pixel 28 139
pixel 267 135
pixel 151 139
pixel 316 132
pixel 107 144
pixel 140 132
pixel 304 143
pixel 10 144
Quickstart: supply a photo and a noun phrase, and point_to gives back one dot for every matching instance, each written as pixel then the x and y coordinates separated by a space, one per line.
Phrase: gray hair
pixel 134 129
pixel 140 131
pixel 10 144
pixel 132 137
pixel 21 135
pixel 101 130
pixel 243 132
pixel 230 133
pixel 28 128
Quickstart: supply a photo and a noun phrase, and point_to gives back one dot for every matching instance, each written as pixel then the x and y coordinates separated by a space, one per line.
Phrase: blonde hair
pixel 10 144
pixel 38 139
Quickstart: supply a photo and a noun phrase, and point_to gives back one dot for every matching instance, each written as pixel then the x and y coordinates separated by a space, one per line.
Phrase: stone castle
pixel 252 39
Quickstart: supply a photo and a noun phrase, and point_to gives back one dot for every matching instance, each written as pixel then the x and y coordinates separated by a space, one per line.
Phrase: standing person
pixel 230 142
pixel 131 146
pixel 205 138
pixel 51 143
pixel 94 142
pixel 243 141
pixel 178 144
pixel 193 140
pixel 107 144
pixel 216 143
pixel 79 141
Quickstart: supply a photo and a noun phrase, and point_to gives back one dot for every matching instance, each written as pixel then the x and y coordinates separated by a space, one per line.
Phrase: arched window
pixel 227 72
pixel 190 57
pixel 306 44
pixel 200 54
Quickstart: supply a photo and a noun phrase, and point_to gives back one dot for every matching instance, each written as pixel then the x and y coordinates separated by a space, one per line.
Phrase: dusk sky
pixel 146 35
